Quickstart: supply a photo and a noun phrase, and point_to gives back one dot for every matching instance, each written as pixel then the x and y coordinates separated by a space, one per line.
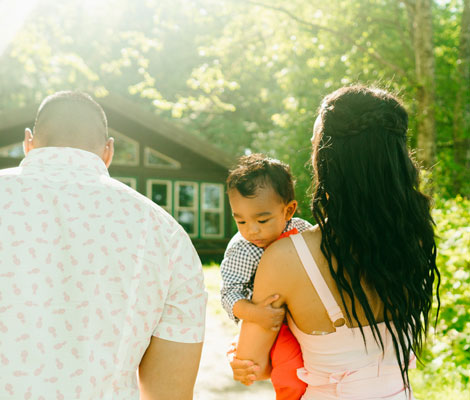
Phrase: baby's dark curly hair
pixel 257 171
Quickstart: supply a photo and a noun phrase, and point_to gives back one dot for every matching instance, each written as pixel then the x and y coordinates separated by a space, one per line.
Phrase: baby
pixel 261 195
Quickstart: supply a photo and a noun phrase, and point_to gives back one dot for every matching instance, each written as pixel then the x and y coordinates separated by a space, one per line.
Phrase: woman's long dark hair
pixel 374 220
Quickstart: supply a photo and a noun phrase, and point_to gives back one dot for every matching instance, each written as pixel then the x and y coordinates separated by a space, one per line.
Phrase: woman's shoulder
pixel 283 253
pixel 314 233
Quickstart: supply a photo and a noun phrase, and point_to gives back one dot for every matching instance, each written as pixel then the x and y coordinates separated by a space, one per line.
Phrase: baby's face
pixel 260 219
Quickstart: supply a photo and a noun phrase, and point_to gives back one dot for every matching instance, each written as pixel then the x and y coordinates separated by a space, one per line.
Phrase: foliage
pixel 247 75
pixel 445 372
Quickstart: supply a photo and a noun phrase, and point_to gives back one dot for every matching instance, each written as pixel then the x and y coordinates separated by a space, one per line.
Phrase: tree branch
pixel 315 27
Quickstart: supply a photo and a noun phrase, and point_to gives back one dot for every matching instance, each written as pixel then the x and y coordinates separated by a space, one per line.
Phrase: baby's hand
pixel 244 371
pixel 267 316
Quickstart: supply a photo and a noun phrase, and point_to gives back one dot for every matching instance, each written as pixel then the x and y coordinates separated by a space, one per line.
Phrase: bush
pixel 445 373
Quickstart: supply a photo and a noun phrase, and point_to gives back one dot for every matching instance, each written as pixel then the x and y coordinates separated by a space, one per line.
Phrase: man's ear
pixel 108 152
pixel 28 141
pixel 290 209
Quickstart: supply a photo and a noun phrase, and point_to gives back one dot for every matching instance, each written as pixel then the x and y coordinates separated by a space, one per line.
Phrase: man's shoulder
pixel 140 203
pixel 129 194
pixel 7 173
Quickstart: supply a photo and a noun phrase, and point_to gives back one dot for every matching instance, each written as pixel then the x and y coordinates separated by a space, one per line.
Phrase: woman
pixel 358 288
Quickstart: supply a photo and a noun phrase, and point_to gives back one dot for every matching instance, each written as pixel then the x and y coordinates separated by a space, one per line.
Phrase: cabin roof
pixel 137 114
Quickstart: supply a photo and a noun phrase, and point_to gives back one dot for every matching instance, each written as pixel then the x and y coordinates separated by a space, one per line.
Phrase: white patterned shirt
pixel 238 268
pixel 89 271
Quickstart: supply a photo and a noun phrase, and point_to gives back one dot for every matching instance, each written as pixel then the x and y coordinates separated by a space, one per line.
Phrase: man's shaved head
pixel 71 119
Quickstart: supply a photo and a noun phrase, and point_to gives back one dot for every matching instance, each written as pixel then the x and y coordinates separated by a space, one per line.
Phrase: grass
pixel 212 280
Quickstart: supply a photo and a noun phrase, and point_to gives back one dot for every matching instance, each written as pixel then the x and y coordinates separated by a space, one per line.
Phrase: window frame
pixel 196 208
pixel 115 134
pixel 174 164
pixel 169 191
pixel 220 210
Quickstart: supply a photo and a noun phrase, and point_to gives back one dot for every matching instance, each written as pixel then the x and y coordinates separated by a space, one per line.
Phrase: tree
pixel 420 17
pixel 248 75
pixel 461 125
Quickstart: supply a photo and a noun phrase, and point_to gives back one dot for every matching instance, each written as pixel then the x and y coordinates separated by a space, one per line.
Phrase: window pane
pixel 211 223
pixel 186 196
pixel 13 151
pixel 186 219
pixel 211 196
pixel 160 194
pixel 154 158
pixel 126 150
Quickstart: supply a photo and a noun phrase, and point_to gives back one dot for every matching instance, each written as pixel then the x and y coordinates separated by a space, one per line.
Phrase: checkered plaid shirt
pixel 239 266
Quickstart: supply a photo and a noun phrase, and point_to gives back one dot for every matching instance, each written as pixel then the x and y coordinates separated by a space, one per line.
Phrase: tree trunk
pixel 420 15
pixel 461 127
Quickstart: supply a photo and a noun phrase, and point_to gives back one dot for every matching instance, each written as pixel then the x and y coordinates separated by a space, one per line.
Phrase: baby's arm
pixel 262 313
pixel 238 269
pixel 236 285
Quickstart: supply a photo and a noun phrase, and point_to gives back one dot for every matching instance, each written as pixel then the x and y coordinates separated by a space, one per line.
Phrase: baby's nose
pixel 253 228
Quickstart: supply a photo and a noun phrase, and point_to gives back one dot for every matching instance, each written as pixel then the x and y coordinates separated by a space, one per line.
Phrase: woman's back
pixel 305 305
pixel 339 362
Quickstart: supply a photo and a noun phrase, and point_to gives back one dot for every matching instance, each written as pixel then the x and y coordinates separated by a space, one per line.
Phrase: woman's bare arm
pixel 255 342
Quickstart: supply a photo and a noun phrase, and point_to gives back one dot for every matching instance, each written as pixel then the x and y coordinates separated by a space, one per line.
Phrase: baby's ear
pixel 290 209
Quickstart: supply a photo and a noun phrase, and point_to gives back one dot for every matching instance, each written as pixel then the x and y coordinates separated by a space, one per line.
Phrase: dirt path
pixel 215 380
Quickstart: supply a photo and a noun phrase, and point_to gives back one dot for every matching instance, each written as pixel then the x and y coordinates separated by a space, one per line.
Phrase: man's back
pixel 89 271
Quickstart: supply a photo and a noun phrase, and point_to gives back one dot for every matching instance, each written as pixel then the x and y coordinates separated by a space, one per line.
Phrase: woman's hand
pixel 269 317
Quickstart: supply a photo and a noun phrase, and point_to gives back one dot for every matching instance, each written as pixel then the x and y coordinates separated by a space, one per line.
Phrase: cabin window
pixel 126 150
pixel 212 210
pixel 186 206
pixel 12 151
pixel 131 182
pixel 198 207
pixel 159 191
pixel 153 158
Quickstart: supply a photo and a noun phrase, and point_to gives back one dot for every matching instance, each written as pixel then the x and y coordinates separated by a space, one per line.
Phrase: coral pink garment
pixel 336 365
pixel 286 359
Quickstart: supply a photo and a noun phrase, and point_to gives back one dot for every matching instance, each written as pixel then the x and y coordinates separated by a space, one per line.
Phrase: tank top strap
pixel 313 272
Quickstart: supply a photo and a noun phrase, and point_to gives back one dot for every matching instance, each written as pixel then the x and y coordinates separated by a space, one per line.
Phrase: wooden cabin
pixel 177 170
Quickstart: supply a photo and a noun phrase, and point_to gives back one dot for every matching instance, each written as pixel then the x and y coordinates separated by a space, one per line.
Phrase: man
pixel 96 281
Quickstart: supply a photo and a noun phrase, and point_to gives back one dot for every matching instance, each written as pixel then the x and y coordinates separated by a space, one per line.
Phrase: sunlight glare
pixel 94 7
pixel 12 18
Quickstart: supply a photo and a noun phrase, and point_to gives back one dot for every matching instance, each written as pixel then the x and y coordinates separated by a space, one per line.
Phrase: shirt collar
pixel 288 226
pixel 65 156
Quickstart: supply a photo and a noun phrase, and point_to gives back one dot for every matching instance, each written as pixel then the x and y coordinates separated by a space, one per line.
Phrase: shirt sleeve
pixel 183 316
pixel 238 269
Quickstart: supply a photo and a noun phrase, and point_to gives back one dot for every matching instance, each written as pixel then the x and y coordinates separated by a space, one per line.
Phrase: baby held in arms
pixel 261 195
